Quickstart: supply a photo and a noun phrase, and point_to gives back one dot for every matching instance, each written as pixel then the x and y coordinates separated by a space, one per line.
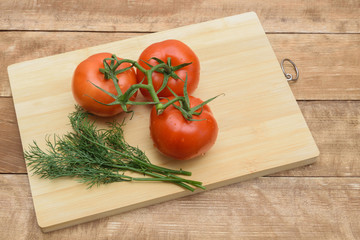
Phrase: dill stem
pixel 162 169
pixel 157 177
pixel 177 183
pixel 194 183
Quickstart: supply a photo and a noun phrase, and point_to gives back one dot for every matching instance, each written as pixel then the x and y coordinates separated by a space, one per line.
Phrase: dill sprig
pixel 97 156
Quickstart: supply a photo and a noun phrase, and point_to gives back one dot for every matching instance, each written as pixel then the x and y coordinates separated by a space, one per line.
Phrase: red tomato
pixel 179 54
pixel 83 91
pixel 179 138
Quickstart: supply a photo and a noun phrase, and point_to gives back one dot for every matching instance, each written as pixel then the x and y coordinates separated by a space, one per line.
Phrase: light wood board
pixel 261 129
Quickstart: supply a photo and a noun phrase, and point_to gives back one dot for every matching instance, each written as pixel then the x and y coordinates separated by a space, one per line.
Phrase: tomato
pixel 178 138
pixel 179 53
pixel 84 92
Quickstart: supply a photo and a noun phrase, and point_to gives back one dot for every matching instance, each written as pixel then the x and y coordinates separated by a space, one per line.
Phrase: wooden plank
pixel 328 64
pixel 276 16
pixel 21 46
pixel 11 157
pixel 334 125
pixel 270 207
pixel 317 80
pixel 258 136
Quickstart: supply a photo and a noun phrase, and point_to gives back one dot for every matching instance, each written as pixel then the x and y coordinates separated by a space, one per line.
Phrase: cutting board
pixel 261 129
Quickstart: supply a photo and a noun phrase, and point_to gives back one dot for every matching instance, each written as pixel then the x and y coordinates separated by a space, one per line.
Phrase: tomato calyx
pixel 184 105
pixel 167 70
pixel 110 70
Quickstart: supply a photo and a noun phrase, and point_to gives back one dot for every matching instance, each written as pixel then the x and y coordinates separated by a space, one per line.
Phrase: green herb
pixel 97 156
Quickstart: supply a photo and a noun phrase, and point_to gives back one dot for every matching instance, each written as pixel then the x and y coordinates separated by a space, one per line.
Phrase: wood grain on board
pixel 331 73
pixel 134 16
pixel 268 207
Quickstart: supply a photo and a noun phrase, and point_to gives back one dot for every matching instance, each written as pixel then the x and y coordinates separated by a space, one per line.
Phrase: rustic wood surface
pixel 321 201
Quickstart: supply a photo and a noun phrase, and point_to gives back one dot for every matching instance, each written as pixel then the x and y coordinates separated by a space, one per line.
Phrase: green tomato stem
pixel 148 73
pixel 165 105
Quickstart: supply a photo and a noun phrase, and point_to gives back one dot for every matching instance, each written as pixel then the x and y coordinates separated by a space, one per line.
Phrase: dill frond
pixel 97 156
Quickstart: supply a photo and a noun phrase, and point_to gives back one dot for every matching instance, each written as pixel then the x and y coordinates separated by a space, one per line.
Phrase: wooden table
pixel 320 201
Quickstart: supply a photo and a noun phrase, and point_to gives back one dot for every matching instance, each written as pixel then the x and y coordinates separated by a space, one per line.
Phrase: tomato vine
pixel 123 99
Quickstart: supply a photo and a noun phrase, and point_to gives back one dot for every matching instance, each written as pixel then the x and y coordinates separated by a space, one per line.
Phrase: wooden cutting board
pixel 261 129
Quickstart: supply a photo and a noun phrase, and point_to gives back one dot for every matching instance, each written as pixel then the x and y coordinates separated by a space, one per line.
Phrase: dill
pixel 97 156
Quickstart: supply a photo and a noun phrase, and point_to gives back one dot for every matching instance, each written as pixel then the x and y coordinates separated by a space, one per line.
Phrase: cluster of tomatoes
pixel 184 129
